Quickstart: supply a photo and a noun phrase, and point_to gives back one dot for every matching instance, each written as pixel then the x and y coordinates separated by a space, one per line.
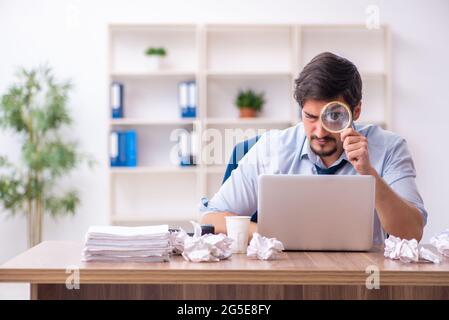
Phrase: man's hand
pixel 356 148
pixel 397 216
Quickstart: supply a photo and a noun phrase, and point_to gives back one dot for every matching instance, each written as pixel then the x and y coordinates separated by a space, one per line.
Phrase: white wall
pixel 71 36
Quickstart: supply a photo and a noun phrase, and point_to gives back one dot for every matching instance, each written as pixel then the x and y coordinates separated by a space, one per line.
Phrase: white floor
pixel 14 291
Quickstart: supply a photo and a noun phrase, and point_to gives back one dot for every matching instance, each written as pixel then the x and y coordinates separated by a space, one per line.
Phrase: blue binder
pixel 114 149
pixel 191 107
pixel 123 148
pixel 131 148
pixel 187 99
pixel 117 100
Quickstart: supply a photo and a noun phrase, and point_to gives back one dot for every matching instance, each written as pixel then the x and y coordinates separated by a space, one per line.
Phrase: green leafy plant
pixel 152 51
pixel 250 99
pixel 34 108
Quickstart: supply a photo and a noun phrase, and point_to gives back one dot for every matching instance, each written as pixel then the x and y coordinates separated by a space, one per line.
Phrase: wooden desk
pixel 296 275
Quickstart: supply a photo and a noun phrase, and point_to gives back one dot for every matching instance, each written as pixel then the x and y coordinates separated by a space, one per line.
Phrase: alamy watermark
pixel 213 147
pixel 373 279
pixel 372 20
pixel 72 282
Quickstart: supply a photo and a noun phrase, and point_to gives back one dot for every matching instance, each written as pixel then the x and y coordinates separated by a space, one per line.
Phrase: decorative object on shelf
pixel 35 108
pixel 187 99
pixel 249 103
pixel 187 148
pixel 123 148
pixel 116 99
pixel 155 56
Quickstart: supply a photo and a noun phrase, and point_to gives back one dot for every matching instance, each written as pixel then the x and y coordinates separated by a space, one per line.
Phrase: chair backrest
pixel 240 149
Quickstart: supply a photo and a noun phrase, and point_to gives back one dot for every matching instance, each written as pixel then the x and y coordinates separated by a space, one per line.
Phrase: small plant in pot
pixel 155 56
pixel 249 103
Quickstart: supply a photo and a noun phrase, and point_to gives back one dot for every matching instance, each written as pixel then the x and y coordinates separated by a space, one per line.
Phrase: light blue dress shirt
pixel 288 152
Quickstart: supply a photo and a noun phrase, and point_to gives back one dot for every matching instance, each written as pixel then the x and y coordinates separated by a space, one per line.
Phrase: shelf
pixel 372 75
pixel 151 75
pixel 346 41
pixel 215 169
pixel 338 26
pixel 152 27
pixel 248 47
pixel 153 169
pixel 235 74
pixel 247 27
pixel 123 220
pixel 127 46
pixel 249 121
pixel 148 122
pixel 223 90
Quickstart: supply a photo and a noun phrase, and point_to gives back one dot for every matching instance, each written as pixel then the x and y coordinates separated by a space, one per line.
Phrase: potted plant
pixel 35 109
pixel 155 56
pixel 249 103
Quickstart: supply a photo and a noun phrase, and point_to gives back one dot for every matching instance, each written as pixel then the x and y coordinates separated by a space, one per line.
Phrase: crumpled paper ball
pixel 401 249
pixel 264 248
pixel 407 251
pixel 177 239
pixel 197 248
pixel 441 242
pixel 207 248
pixel 428 255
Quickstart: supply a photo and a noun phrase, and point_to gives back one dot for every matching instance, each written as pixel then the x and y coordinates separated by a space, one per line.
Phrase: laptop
pixel 317 212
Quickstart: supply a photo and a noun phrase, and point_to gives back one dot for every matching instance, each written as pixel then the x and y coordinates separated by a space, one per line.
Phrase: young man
pixel 308 148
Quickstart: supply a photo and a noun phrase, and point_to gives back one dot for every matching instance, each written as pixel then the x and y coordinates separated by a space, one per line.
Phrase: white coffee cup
pixel 238 230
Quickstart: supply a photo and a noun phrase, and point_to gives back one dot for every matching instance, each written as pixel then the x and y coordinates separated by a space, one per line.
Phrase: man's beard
pixel 323 153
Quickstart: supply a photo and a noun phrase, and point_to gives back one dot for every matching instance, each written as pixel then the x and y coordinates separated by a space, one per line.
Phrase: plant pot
pixel 247 113
pixel 154 63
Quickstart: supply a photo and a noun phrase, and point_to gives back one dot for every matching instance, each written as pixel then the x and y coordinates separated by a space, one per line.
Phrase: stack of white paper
pixel 127 244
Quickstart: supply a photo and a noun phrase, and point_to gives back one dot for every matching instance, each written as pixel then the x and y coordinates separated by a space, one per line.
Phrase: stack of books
pixel 127 244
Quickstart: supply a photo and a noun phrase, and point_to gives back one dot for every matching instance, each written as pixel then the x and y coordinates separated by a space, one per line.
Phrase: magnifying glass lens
pixel 336 117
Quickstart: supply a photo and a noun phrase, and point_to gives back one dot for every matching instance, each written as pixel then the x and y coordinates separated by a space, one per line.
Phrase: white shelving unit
pixel 370 50
pixel 221 59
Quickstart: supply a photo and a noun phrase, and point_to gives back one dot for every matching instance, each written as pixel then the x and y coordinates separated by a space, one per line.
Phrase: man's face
pixel 322 142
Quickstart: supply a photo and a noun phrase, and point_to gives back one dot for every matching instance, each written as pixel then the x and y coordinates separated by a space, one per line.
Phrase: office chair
pixel 240 149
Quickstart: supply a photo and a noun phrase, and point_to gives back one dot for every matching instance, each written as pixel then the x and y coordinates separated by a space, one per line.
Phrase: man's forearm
pixel 397 216
pixel 219 222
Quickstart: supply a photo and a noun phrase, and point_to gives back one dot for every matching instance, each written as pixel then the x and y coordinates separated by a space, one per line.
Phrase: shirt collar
pixel 307 152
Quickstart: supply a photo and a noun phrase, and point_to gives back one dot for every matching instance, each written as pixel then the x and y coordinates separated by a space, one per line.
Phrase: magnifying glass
pixel 336 116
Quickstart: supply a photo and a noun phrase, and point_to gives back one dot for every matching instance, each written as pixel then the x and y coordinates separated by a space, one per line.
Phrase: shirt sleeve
pixel 399 173
pixel 239 192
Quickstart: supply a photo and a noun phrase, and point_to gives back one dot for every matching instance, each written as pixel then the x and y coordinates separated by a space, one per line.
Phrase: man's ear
pixel 357 111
